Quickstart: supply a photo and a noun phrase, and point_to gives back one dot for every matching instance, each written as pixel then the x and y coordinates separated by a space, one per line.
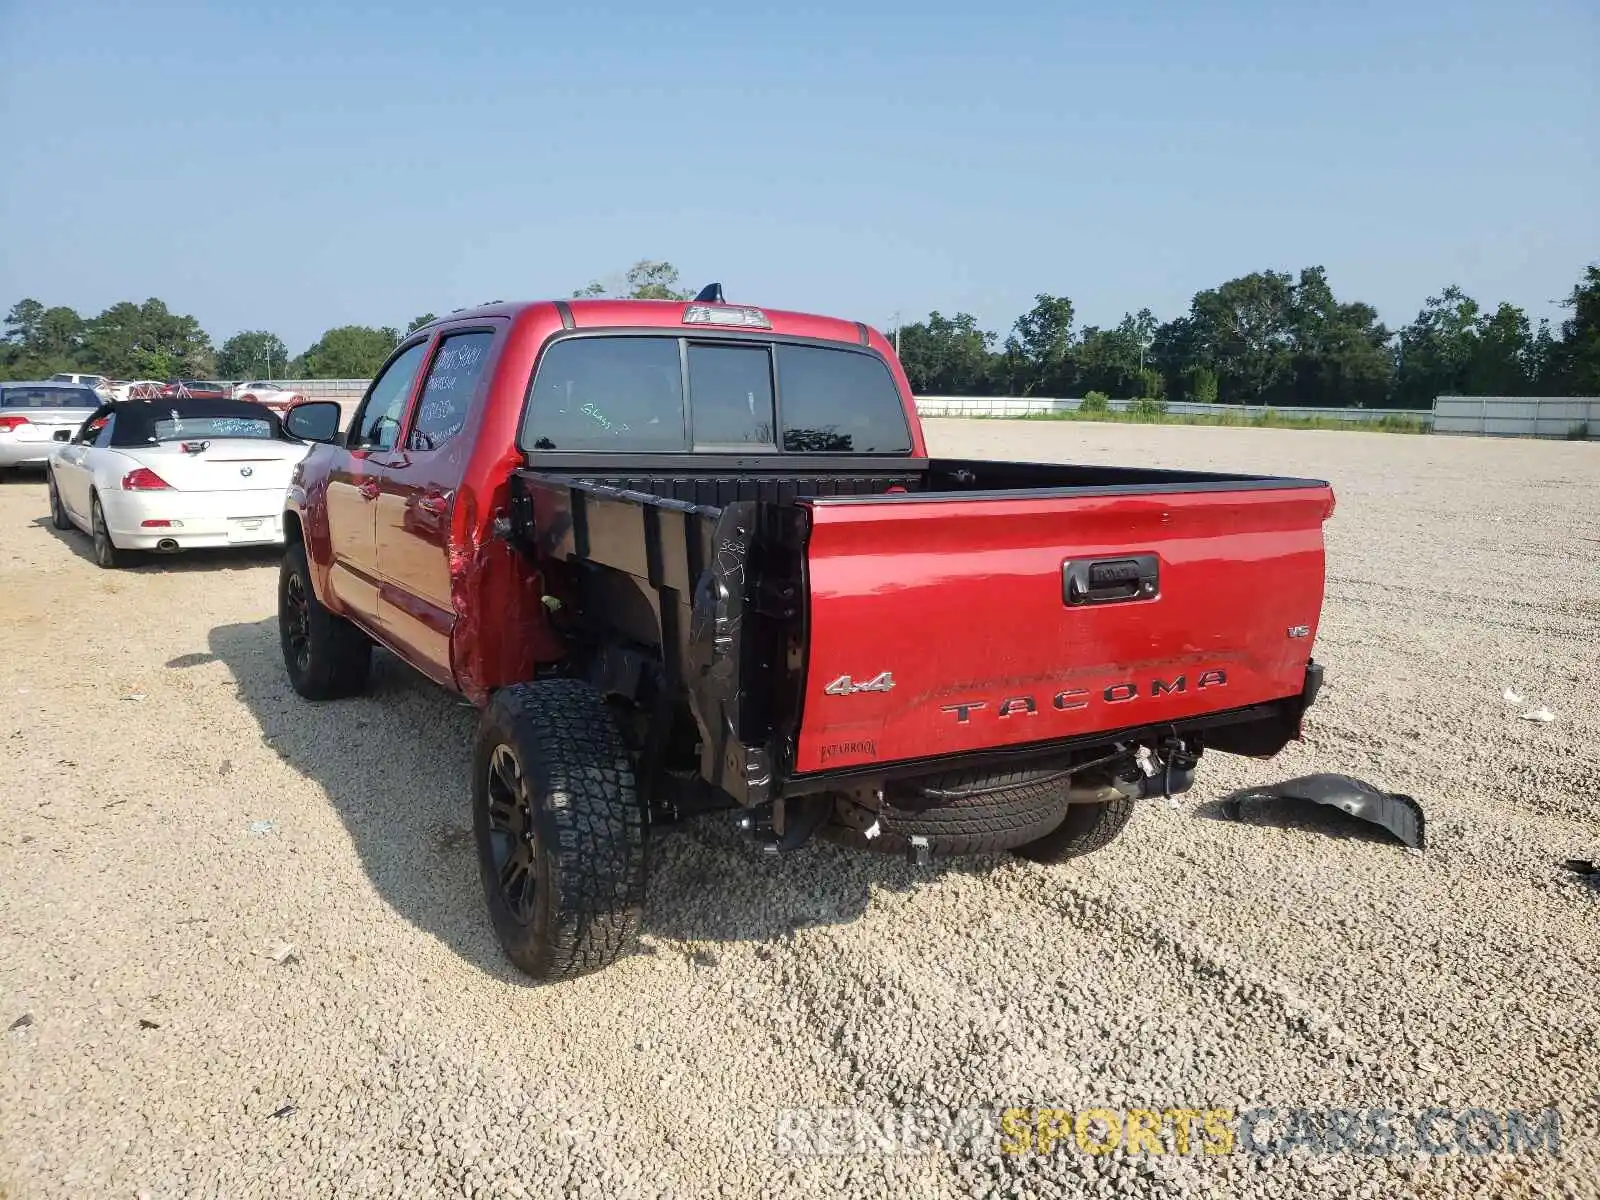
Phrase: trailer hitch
pixel 788 822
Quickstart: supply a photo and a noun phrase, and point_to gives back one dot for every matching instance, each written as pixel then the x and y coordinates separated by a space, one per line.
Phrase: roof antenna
pixel 710 294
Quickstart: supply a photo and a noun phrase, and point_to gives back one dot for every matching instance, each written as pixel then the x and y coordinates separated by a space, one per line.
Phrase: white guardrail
pixel 1571 417
pixel 1016 406
pixel 326 389
pixel 1493 416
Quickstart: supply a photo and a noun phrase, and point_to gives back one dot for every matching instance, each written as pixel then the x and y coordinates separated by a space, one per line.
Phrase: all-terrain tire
pixel 1086 829
pixel 965 812
pixel 555 808
pixel 325 656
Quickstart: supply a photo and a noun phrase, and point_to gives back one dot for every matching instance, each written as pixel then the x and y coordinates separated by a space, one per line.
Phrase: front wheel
pixel 326 656
pixel 559 827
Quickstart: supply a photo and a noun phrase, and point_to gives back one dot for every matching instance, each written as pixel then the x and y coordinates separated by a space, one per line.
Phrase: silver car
pixel 37 417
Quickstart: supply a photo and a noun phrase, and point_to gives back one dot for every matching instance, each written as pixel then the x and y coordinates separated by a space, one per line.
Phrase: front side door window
pixel 377 425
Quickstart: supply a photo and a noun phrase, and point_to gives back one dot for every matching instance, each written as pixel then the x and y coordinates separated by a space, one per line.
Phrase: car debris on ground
pixel 1401 815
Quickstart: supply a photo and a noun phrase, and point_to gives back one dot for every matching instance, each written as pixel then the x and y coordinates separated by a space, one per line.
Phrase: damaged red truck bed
pixel 696 555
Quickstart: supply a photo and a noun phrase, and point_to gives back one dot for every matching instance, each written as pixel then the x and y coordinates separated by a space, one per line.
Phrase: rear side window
pixel 448 390
pixel 839 400
pixel 96 431
pixel 614 394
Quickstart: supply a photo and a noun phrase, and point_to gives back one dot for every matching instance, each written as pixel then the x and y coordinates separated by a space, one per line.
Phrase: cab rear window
pixel 627 395
pixel 839 401
pixel 615 394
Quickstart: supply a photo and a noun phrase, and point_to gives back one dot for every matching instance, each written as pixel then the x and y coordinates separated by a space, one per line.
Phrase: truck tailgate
pixel 946 623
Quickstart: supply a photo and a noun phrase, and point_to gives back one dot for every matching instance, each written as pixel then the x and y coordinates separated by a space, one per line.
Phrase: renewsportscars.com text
pixel 1177 1130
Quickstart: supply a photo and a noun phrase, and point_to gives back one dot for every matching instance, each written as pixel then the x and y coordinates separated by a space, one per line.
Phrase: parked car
pixel 97 383
pixel 196 389
pixel 176 474
pixel 278 399
pixel 35 416
pixel 136 389
pixel 697 555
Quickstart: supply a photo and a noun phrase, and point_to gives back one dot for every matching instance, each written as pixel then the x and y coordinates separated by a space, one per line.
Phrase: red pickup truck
pixel 689 555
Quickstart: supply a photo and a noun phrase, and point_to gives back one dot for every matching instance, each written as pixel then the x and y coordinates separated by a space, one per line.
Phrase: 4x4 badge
pixel 846 686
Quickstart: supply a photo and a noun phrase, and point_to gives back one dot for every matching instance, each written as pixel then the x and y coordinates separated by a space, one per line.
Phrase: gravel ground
pixel 173 816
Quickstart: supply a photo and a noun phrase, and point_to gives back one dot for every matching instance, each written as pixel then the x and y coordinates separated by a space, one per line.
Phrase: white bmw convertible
pixel 174 474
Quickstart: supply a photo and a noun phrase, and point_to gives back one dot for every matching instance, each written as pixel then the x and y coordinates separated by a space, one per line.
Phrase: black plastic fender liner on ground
pixel 1401 815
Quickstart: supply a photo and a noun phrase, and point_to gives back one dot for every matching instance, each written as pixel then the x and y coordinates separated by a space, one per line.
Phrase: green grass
pixel 1265 420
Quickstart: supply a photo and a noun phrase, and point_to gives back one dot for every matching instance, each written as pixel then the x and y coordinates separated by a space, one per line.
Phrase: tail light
pixel 10 424
pixel 143 479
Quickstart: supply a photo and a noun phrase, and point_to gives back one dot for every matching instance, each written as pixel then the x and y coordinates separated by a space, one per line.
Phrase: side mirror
pixel 314 420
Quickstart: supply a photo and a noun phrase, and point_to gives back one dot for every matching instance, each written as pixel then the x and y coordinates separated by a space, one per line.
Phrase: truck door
pixel 417 496
pixel 355 482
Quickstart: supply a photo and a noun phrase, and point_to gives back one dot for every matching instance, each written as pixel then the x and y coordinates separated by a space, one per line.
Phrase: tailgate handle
pixel 1110 580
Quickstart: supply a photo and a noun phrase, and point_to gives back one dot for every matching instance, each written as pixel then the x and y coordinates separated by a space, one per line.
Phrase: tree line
pixel 150 341
pixel 1264 338
pixel 1268 338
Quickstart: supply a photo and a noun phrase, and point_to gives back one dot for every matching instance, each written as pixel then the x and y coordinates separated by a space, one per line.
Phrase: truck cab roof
pixel 591 313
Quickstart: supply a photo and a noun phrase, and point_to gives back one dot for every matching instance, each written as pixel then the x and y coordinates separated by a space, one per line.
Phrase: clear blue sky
pixel 293 165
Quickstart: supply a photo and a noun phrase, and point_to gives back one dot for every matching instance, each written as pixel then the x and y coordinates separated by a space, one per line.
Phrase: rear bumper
pixel 197 520
pixel 181 539
pixel 18 453
pixel 1256 731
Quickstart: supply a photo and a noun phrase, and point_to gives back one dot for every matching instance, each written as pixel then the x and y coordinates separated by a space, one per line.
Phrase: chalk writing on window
pixel 447 392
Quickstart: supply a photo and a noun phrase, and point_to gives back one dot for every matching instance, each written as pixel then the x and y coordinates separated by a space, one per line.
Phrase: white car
pixel 261 391
pixel 178 474
pixel 97 383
